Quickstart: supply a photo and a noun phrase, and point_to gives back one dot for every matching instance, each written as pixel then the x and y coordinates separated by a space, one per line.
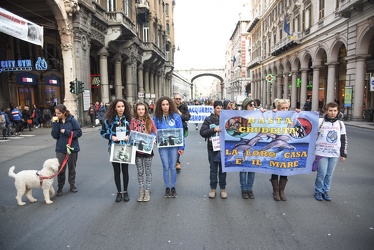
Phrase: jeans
pixel 169 159
pixel 246 180
pixel 326 167
pixel 216 170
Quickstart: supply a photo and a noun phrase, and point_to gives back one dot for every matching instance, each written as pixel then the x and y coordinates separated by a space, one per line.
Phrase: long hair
pixel 158 109
pixel 62 109
pixel 111 111
pixel 147 118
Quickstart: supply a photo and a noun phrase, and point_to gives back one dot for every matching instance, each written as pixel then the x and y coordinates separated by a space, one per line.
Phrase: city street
pixel 91 219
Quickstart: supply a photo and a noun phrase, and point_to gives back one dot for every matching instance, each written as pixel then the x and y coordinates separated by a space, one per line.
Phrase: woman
pixel 144 124
pixel 92 114
pixel 62 126
pixel 279 186
pixel 118 115
pixel 247 178
pixel 166 116
pixel 331 146
pixel 211 128
pixel 101 113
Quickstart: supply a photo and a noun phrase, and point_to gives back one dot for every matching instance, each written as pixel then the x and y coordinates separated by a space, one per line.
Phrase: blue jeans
pixel 216 170
pixel 325 171
pixel 246 180
pixel 169 158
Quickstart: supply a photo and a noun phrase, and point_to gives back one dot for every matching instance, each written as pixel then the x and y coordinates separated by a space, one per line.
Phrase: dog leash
pixel 68 152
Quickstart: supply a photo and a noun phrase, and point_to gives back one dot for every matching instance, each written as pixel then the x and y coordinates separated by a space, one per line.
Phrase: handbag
pixel 315 163
pixel 29 121
pixel 97 121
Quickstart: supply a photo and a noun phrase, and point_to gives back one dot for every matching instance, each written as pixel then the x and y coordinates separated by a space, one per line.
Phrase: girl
pixel 118 115
pixel 62 124
pixel 166 116
pixel 144 124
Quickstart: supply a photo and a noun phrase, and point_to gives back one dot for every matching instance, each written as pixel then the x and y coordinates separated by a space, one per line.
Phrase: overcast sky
pixel 202 31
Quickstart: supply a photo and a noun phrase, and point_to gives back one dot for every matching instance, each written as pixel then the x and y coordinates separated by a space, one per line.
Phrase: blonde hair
pixel 278 102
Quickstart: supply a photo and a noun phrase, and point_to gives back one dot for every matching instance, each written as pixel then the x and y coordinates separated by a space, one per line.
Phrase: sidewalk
pixel 360 124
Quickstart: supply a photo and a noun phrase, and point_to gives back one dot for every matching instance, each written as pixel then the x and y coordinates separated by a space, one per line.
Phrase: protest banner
pixel 199 113
pixel 281 143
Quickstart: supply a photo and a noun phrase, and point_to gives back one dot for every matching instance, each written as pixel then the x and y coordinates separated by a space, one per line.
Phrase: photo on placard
pixel 143 142
pixel 122 153
pixel 171 137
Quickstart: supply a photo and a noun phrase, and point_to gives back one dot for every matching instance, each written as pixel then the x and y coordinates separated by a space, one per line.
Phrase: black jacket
pixel 183 108
pixel 206 131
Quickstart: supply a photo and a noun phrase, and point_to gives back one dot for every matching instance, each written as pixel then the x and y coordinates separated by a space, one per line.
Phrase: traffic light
pixel 72 87
pixel 80 87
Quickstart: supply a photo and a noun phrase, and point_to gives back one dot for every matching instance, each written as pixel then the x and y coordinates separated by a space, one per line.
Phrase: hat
pixel 246 101
pixel 217 103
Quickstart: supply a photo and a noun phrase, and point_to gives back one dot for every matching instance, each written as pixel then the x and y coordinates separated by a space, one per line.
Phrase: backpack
pixel 2 121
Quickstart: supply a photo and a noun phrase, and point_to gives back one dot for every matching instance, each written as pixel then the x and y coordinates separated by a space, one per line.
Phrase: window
pixel 146 32
pixel 167 9
pixel 321 9
pixel 111 5
pixel 337 4
pixel 126 7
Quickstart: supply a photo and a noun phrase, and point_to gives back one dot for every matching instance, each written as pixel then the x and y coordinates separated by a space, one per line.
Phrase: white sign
pixel 216 143
pixel 147 95
pixel 86 99
pixel 153 95
pixel 20 28
pixel 140 95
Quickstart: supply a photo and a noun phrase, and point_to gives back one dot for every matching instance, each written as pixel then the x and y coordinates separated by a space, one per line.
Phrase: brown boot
pixel 282 186
pixel 275 189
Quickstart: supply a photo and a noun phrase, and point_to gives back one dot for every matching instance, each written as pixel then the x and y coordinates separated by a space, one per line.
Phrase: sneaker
pixel 318 196
pixel 251 194
pixel 223 194
pixel 212 194
pixel 326 196
pixel 197 128
pixel 126 197
pixel 73 188
pixel 147 195
pixel 173 193
pixel 119 197
pixel 167 193
pixel 141 195
pixel 178 166
pixel 245 194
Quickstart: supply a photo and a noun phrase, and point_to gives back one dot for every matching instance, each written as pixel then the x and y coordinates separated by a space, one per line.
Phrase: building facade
pixel 117 48
pixel 313 49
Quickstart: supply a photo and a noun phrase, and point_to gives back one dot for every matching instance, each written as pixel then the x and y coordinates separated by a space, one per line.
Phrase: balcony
pixel 285 44
pixel 253 63
pixel 347 7
pixel 142 10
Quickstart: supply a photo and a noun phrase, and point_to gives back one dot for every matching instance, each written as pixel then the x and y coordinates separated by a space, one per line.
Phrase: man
pixel 185 116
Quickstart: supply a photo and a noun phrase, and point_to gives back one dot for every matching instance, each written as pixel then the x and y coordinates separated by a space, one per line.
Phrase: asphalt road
pixel 91 219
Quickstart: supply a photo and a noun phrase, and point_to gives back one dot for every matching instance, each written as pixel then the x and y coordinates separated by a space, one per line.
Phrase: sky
pixel 202 31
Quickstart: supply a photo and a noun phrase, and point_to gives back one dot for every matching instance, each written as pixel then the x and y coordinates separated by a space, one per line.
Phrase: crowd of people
pixel 168 113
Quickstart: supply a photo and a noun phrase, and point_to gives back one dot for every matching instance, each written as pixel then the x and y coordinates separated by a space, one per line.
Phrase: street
pixel 91 219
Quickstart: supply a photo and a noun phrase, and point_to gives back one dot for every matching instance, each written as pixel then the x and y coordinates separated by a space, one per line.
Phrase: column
pixel 315 100
pixel 253 91
pixel 152 85
pixel 279 86
pixel 118 77
pixel 140 83
pixel 146 83
pixel 268 93
pixel 130 81
pixel 358 91
pixel 294 90
pixel 330 90
pixel 303 90
pixel 285 86
pixel 104 86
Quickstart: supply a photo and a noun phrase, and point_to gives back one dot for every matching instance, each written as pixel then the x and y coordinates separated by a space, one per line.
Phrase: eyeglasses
pixel 178 98
pixel 252 104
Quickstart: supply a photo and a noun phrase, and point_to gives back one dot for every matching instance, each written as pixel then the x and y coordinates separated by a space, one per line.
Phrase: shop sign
pixel 348 96
pixel 27 79
pixel 95 81
pixel 23 65
pixel 52 80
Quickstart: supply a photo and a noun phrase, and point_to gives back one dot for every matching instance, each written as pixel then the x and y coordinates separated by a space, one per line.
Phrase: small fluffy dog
pixel 26 180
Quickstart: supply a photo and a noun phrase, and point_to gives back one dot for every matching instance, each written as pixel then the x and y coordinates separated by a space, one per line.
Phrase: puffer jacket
pixel 207 131
pixel 71 124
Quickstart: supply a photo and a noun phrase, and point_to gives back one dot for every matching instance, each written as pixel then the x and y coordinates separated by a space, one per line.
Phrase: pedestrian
pixel 331 146
pixel 35 115
pixel 101 113
pixel 118 115
pixel 92 114
pixel 62 125
pixel 46 117
pixel 143 123
pixel 4 123
pixel 211 128
pixel 17 117
pixel 280 186
pixel 196 102
pixel 27 117
pixel 247 178
pixel 182 110
pixel 166 116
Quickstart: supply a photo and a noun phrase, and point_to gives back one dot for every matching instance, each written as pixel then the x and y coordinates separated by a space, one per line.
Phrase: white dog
pixel 26 180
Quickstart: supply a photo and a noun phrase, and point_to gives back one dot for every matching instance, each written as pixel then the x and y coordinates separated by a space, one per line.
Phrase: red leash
pixel 41 178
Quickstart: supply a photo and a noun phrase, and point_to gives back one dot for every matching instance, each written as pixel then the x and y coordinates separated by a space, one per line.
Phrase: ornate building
pixel 117 48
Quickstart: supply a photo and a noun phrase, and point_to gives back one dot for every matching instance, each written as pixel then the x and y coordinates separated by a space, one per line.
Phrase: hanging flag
pixel 286 26
pixel 20 28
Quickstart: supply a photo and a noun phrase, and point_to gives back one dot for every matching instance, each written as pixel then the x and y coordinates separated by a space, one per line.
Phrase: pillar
pixel 104 86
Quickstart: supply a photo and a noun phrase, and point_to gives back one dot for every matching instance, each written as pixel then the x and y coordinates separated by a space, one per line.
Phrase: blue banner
pixel 199 113
pixel 281 143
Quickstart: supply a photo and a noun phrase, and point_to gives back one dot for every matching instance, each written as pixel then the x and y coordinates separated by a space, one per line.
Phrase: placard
pixel 122 153
pixel 171 137
pixel 143 142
